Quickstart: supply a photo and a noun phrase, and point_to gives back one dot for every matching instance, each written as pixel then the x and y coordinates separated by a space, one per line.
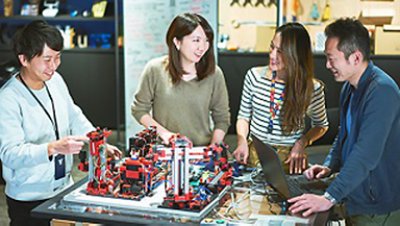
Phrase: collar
pixel 365 77
pixel 363 83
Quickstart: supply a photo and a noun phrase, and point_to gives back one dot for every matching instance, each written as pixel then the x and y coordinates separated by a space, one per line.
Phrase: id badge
pixel 59 162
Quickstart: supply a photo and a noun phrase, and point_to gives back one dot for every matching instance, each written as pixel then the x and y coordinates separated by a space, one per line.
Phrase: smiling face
pixel 275 54
pixel 40 68
pixel 341 68
pixel 192 47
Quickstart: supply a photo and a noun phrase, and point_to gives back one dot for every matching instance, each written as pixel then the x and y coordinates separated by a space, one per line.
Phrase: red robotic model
pixel 142 142
pixel 192 176
pixel 139 173
pixel 222 169
pixel 179 193
pixel 100 177
pixel 183 194
pixel 137 178
pixel 130 178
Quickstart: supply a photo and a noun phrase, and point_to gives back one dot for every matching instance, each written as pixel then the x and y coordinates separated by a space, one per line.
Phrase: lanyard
pixel 274 106
pixel 54 123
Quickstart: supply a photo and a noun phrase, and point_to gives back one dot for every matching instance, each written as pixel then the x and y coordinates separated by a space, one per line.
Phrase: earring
pixel 178 48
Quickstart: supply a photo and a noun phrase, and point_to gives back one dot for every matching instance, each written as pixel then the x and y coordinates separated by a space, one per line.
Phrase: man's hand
pixel 309 203
pixel 113 151
pixel 66 145
pixel 316 172
pixel 242 153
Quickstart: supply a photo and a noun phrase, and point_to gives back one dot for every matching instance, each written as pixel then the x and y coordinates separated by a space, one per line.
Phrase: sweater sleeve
pixel 144 97
pixel 220 103
pixel 15 152
pixel 332 160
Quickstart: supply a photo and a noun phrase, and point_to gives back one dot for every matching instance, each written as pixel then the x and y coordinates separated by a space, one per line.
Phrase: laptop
pixel 287 186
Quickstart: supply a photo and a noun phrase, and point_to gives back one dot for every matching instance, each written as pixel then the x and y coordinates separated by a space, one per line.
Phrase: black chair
pixel 6 70
pixel 330 135
pixel 320 148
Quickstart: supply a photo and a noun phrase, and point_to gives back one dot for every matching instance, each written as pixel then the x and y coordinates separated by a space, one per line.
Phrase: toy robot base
pixel 144 206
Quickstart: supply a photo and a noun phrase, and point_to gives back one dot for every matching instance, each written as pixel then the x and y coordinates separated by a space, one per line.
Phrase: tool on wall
pixel 260 2
pixel 314 11
pixel 233 2
pixel 284 12
pixel 271 2
pixel 247 2
pixel 297 9
pixel 326 15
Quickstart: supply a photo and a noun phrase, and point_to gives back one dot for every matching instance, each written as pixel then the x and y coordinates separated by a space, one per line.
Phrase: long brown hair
pixel 298 60
pixel 181 26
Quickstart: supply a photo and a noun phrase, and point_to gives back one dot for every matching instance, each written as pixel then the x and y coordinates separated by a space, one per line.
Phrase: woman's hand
pixel 241 153
pixel 113 151
pixel 297 158
pixel 165 136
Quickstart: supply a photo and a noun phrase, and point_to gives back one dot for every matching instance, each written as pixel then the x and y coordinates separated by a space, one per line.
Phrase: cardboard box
pixel 387 41
pixel 256 38
pixel 376 16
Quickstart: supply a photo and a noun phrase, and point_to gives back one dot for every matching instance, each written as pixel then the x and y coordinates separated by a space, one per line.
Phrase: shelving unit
pixel 247 26
pixel 93 75
pixel 57 18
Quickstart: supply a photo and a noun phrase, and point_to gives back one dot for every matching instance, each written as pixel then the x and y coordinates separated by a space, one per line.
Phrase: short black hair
pixel 352 36
pixel 31 39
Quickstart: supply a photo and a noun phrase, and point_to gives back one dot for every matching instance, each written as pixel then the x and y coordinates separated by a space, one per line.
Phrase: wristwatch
pixel 330 198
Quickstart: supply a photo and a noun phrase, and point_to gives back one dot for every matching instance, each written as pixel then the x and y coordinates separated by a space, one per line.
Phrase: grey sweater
pixel 185 107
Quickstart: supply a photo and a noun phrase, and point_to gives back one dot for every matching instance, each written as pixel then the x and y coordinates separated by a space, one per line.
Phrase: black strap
pixel 54 123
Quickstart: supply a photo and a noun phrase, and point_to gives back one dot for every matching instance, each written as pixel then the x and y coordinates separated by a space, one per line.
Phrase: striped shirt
pixel 255 108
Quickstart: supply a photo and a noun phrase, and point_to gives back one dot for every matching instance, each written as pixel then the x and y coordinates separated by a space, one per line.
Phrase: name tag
pixel 59 162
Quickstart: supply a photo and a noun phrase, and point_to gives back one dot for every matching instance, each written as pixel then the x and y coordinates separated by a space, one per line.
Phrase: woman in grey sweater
pixel 182 90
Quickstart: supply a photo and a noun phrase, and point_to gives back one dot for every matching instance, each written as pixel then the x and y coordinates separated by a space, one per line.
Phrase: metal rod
pixel 117 70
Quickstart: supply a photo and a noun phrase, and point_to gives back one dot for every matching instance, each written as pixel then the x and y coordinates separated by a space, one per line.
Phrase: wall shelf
pixel 92 74
pixel 57 18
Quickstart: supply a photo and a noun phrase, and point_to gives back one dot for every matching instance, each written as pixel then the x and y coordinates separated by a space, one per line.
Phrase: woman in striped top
pixel 276 98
